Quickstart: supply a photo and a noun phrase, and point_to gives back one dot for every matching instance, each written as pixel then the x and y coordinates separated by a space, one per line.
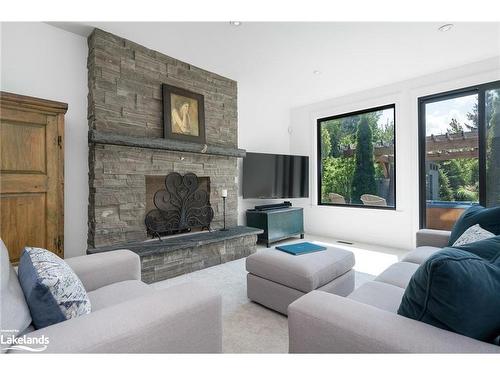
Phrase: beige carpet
pixel 252 328
pixel 247 326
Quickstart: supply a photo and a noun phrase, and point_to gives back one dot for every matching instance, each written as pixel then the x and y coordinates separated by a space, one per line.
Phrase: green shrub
pixel 337 177
pixel 465 193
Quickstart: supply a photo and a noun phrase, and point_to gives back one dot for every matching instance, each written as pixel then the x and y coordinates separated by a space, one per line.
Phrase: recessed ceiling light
pixel 235 23
pixel 446 27
pixel 316 72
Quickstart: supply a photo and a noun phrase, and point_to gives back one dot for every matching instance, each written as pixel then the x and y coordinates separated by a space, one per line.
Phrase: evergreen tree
pixel 445 191
pixel 493 163
pixel 364 173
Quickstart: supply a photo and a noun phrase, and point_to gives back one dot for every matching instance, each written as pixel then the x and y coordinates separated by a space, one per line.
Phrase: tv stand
pixel 278 221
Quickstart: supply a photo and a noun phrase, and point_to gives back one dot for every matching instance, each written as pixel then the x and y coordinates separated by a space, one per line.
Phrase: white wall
pixel 390 228
pixel 263 122
pixel 43 61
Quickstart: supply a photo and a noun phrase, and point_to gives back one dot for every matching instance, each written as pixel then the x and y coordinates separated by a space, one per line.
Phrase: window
pixel 356 159
pixel 459 153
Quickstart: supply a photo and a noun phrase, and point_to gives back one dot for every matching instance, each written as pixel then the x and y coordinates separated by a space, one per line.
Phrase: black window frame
pixel 319 164
pixel 480 91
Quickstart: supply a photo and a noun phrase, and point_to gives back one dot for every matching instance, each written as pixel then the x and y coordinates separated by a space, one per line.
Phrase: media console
pixel 278 221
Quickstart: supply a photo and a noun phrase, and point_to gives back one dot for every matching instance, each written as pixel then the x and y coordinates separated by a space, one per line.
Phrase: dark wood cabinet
pixel 278 224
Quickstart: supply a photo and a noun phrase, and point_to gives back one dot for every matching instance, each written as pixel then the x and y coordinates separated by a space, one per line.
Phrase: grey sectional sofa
pixel 128 316
pixel 366 321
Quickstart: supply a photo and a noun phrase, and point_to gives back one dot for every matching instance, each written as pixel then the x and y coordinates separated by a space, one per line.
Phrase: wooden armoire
pixel 32 174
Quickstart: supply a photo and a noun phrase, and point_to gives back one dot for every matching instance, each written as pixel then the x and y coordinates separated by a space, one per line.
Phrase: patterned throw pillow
pixel 473 234
pixel 53 291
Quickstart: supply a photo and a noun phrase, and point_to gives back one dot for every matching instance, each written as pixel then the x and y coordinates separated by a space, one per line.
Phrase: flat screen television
pixel 275 176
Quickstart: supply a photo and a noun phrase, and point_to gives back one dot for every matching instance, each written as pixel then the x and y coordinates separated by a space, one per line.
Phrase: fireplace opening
pixel 177 204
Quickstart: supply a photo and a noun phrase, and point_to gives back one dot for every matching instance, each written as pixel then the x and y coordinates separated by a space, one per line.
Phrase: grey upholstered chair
pixel 128 316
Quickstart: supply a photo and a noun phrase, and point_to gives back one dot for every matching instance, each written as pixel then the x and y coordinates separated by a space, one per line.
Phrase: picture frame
pixel 183 114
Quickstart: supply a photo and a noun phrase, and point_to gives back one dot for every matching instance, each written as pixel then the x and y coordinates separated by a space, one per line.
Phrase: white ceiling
pixel 279 58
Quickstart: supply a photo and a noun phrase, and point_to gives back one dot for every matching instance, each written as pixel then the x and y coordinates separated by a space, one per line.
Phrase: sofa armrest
pixel 433 237
pixel 181 319
pixel 98 270
pixel 321 322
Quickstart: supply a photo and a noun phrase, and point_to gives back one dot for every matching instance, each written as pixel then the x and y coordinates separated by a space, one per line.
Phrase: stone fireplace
pixel 127 152
pixel 118 204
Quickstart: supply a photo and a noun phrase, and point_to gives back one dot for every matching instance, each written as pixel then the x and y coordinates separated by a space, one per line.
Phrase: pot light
pixel 316 72
pixel 446 27
pixel 235 23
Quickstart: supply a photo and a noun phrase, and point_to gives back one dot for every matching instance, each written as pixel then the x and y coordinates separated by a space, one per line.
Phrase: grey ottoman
pixel 275 279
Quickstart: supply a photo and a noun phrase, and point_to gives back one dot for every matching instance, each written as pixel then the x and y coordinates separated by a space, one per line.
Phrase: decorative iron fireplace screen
pixel 182 206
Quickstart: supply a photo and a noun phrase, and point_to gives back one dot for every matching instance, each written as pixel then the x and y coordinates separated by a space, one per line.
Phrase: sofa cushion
pixel 15 314
pixel 302 272
pixel 398 274
pixel 53 292
pixel 487 218
pixel 458 291
pixel 420 254
pixel 381 295
pixel 114 294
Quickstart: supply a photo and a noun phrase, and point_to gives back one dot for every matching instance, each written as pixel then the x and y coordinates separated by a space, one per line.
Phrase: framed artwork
pixel 183 114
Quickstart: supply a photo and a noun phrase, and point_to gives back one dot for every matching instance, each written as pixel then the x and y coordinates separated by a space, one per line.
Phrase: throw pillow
pixel 473 234
pixel 457 290
pixel 53 291
pixel 487 218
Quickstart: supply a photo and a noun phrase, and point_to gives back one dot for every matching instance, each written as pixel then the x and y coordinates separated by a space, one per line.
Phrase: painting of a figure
pixel 183 114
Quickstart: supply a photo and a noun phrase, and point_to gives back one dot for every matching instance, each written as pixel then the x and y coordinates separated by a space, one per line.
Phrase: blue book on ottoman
pixel 300 248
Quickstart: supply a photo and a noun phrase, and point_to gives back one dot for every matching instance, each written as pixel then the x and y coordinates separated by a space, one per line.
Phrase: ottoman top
pixel 302 272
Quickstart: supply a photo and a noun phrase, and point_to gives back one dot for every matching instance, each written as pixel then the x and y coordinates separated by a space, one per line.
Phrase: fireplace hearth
pixel 177 255
pixel 183 205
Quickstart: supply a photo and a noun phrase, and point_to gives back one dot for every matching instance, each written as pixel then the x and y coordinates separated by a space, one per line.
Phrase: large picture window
pixel 356 159
pixel 459 153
